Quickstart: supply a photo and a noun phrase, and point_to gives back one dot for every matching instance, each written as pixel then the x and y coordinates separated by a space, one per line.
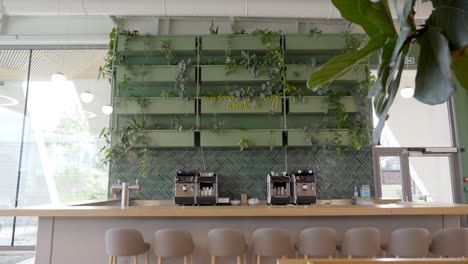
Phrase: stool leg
pixel 259 259
pixel 135 260
pixel 245 258
pixel 305 256
pixel 147 257
pixel 191 258
pixel 185 260
pixel 285 257
pixel 213 259
pixel 111 258
pixel 159 260
pixel 115 259
pixel 239 261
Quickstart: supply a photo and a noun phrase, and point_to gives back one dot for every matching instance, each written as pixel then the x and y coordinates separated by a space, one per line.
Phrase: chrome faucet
pixel 124 188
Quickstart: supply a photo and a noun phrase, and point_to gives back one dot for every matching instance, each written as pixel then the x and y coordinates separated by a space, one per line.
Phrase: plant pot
pixel 301 73
pixel 237 42
pixel 217 73
pixel 233 105
pixel 157 105
pixel 231 138
pixel 322 43
pixel 143 44
pixel 318 104
pixel 155 74
pixel 299 137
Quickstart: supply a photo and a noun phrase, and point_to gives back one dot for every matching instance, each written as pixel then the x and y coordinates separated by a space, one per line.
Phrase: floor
pixel 16 257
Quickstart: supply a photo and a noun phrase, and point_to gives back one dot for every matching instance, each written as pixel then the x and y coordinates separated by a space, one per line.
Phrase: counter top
pixel 375 261
pixel 104 209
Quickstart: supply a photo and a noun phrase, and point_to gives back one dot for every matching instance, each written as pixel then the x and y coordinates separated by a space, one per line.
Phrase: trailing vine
pixel 181 78
pixel 230 61
pixel 245 143
pixel 166 49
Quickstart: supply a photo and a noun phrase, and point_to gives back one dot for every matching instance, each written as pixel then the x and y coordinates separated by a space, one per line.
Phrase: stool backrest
pixel 450 242
pixel 173 243
pixel 318 242
pixel 410 242
pixel 124 242
pixel 226 242
pixel 274 242
pixel 362 242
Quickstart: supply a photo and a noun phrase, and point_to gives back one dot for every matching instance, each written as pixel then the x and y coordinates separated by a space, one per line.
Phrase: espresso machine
pixel 304 191
pixel 207 188
pixel 278 188
pixel 185 187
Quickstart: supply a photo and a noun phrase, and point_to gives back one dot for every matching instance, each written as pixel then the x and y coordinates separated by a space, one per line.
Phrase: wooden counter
pixel 407 209
pixel 375 261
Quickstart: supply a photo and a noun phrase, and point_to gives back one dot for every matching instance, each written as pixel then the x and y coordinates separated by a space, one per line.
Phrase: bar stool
pixel 173 243
pixel 318 242
pixel 410 243
pixel 271 242
pixel 125 242
pixel 450 242
pixel 361 242
pixel 226 242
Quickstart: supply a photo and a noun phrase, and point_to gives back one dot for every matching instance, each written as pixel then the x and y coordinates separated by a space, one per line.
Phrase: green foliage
pixel 245 143
pixel 443 40
pixel 166 49
pixel 250 63
pixel 216 125
pixel 213 31
pixel 314 31
pixel 230 61
pixel 107 69
pixel 267 36
pixel 182 78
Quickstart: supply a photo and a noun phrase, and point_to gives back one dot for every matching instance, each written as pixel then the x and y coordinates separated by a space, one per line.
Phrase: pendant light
pixel 87 97
pixel 58 77
pixel 107 109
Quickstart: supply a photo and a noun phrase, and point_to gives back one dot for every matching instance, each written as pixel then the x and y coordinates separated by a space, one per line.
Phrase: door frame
pixel 404 153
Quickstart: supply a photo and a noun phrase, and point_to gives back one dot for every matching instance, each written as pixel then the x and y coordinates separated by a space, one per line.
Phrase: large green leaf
pixel 374 18
pixel 392 89
pixel 385 57
pixel 433 83
pixel 460 67
pixel 452 17
pixel 407 26
pixel 341 64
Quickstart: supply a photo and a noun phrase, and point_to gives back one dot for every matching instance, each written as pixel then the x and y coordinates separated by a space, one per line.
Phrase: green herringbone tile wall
pixel 245 172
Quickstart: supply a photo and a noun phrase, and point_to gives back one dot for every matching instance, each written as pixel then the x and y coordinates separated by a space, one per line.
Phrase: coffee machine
pixel 185 187
pixel 278 188
pixel 207 188
pixel 304 191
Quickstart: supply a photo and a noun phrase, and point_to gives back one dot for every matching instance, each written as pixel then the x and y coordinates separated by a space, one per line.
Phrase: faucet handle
pixel 136 182
pixel 118 182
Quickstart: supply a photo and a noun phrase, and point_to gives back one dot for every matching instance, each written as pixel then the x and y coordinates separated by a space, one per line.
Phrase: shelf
pixel 323 43
pixel 237 42
pixel 217 73
pixel 318 104
pixel 233 105
pixel 230 138
pixel 301 73
pixel 151 74
pixel 142 45
pixel 299 137
pixel 157 105
pixel 169 138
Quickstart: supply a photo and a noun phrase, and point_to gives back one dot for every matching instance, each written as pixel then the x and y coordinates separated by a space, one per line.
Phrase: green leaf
pixel 392 89
pixel 339 65
pixel 433 83
pixel 452 17
pixel 385 57
pixel 374 18
pixel 460 66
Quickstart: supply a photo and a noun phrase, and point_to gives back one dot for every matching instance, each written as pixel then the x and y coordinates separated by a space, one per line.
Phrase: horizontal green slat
pixel 299 137
pixel 322 43
pixel 170 138
pixel 155 106
pixel 241 106
pixel 301 73
pixel 144 44
pixel 232 138
pixel 217 73
pixel 237 42
pixel 151 73
pixel 318 104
